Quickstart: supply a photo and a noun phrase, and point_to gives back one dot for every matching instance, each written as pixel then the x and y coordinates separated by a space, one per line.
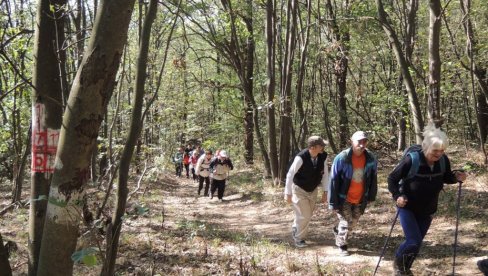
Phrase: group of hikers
pixel 414 184
pixel 206 168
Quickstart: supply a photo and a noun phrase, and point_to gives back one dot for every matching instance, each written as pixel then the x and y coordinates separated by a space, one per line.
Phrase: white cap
pixel 223 153
pixel 358 136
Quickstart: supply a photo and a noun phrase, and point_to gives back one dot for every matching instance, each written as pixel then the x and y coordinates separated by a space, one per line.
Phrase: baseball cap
pixel 223 153
pixel 316 141
pixel 359 135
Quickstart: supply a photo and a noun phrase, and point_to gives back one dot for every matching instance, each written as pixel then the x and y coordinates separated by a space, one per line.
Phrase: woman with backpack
pixel 203 170
pixel 415 184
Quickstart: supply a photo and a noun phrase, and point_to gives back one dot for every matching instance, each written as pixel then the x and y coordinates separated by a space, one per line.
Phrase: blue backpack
pixel 414 153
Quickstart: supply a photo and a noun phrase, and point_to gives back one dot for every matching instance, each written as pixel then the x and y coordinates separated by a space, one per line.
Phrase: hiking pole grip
pixel 386 241
pixel 458 207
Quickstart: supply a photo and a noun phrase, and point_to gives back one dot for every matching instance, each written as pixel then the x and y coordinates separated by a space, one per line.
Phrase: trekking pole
pixel 458 207
pixel 386 242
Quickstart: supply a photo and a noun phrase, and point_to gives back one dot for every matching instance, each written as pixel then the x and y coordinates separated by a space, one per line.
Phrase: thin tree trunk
pixel 47 110
pixel 271 85
pixel 300 80
pixel 407 77
pixel 286 79
pixel 115 227
pixel 341 40
pixel 90 93
pixel 434 98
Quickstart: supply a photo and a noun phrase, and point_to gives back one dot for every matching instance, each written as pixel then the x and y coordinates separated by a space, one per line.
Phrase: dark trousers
pixel 187 168
pixel 178 168
pixel 201 179
pixel 415 228
pixel 194 174
pixel 218 185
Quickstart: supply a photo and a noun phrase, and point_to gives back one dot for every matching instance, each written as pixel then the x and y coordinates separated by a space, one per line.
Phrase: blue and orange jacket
pixel 341 175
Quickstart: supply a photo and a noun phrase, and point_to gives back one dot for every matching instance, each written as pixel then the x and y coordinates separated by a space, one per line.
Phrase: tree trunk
pixel 90 93
pixel 5 269
pixel 300 79
pixel 479 72
pixel 286 79
pixel 47 111
pixel 409 42
pixel 115 226
pixel 407 77
pixel 341 40
pixel 271 85
pixel 434 108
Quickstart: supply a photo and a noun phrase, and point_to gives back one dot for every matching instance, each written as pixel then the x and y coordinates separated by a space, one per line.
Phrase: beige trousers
pixel 303 204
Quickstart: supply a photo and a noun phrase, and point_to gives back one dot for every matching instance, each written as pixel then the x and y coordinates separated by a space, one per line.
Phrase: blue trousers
pixel 415 228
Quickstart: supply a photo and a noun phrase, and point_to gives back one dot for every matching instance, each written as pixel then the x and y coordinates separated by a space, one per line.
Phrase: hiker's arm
pixel 335 174
pixel 400 172
pixel 295 166
pixel 325 181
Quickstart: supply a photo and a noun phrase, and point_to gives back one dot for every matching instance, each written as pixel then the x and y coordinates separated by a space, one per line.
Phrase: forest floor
pixel 170 230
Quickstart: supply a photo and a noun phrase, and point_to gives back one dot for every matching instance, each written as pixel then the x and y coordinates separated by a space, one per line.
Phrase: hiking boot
pixel 301 244
pixel 400 268
pixel 483 266
pixel 343 251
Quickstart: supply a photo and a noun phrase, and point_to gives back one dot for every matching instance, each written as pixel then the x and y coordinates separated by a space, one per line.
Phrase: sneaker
pixel 300 244
pixel 221 200
pixel 343 251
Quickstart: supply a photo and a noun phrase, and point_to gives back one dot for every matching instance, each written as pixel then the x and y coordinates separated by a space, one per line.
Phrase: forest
pixel 97 96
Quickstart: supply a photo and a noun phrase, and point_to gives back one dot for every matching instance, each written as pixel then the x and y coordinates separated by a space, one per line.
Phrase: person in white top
pixel 307 172
pixel 203 170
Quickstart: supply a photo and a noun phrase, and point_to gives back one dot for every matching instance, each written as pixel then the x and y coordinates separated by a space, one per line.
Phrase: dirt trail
pixel 270 219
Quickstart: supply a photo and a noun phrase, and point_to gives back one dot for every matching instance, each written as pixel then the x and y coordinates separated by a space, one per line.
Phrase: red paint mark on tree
pixel 44 143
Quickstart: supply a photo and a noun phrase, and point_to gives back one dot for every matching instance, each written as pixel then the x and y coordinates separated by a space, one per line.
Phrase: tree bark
pixel 341 40
pixel 90 93
pixel 114 228
pixel 407 77
pixel 47 111
pixel 271 85
pixel 300 79
pixel 434 99
pixel 286 79
pixel 478 71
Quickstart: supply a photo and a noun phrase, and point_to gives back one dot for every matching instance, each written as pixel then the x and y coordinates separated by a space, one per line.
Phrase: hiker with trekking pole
pixel 415 184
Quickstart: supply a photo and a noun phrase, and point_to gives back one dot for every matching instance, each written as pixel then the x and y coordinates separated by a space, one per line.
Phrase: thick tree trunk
pixel 270 71
pixel 407 77
pixel 115 226
pixel 47 111
pixel 90 93
pixel 434 108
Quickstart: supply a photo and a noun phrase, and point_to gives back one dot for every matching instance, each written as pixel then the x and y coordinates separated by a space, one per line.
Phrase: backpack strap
pixel 414 156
